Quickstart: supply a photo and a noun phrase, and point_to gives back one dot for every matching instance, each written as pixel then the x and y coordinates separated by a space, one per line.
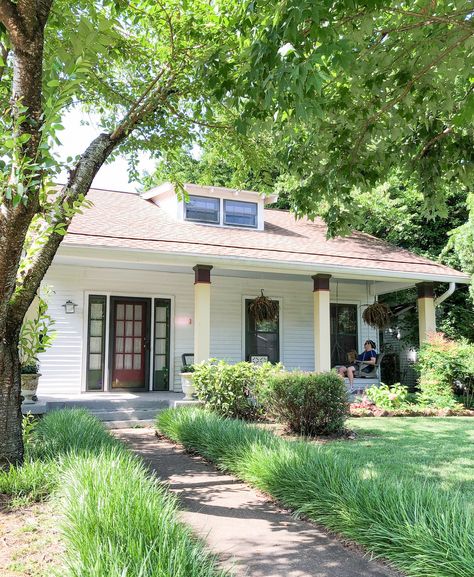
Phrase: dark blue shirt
pixel 366 356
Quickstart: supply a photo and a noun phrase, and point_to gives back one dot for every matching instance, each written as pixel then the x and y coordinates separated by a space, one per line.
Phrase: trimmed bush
pixel 232 390
pixel 444 364
pixel 423 531
pixel 308 403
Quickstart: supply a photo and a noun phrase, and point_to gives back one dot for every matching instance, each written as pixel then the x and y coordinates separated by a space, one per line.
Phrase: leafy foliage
pixel 442 362
pixel 232 390
pixel 308 403
pixel 393 397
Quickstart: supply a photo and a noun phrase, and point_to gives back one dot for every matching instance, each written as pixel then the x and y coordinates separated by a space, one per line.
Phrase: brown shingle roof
pixel 125 220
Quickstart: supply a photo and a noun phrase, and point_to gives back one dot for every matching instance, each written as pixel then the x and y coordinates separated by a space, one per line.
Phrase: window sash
pixel 203 209
pixel 261 338
pixel 240 213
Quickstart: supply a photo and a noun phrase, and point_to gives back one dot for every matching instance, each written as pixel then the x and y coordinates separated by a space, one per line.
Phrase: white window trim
pixel 280 324
pixel 109 294
pixel 210 222
pixel 255 226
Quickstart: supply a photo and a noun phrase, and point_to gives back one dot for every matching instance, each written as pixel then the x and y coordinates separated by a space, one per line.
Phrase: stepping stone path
pixel 251 535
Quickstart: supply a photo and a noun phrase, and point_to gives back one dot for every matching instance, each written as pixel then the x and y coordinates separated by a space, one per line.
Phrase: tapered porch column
pixel 426 310
pixel 202 312
pixel 322 327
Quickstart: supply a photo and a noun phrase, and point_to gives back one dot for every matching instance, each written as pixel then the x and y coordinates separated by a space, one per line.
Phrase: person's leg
pixel 350 375
pixel 342 371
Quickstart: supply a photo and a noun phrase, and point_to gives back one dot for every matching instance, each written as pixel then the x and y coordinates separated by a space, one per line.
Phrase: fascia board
pixel 242 263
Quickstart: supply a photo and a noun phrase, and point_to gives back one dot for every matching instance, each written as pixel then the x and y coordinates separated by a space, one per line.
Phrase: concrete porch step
pixel 127 414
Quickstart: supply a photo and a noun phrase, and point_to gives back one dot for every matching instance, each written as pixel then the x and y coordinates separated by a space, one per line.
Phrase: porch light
pixel 70 307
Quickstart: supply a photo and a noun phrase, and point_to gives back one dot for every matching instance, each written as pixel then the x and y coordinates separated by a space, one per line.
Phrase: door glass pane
pixel 129 312
pixel 129 328
pixel 120 312
pixel 138 312
pixel 96 310
pixel 128 345
pixel 127 363
pixel 343 332
pixel 119 361
pixel 119 329
pixel 160 362
pixel 119 345
pixel 137 345
pixel 160 346
pixel 138 328
pixel 160 314
pixel 137 362
pixel 95 344
pixel 161 330
pixel 95 362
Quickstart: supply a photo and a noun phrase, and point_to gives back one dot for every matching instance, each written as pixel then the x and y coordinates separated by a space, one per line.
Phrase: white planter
pixel 29 386
pixel 188 386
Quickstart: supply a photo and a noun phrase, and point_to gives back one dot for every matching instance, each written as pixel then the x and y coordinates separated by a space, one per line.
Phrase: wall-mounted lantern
pixel 70 307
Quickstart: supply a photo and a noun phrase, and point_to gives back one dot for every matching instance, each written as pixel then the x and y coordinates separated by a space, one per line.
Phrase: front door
pixel 130 343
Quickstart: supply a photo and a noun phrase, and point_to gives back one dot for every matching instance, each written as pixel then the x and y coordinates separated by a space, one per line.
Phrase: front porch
pixel 132 322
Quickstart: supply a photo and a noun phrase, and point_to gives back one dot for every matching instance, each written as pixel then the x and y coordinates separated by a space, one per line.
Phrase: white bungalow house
pixel 141 280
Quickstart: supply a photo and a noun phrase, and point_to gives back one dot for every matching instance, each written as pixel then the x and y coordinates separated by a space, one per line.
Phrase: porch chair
pixel 374 373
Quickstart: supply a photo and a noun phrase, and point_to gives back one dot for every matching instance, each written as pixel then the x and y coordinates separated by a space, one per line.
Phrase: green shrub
pixel 394 397
pixel 425 532
pixel 441 364
pixel 232 390
pixel 308 403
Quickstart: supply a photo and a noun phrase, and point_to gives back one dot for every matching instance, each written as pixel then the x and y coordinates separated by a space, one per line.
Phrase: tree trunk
pixel 11 449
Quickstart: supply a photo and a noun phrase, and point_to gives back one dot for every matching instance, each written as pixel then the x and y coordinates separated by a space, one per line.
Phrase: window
pixel 96 343
pixel 203 209
pixel 261 338
pixel 239 213
pixel 343 332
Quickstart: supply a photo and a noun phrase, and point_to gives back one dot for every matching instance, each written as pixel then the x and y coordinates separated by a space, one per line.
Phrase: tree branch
pixel 10 19
pixel 434 140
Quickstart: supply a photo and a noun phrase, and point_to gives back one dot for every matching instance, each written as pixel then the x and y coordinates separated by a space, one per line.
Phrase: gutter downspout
pixel 445 295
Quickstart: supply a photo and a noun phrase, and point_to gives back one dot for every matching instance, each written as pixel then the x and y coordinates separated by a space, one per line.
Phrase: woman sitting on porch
pixel 368 357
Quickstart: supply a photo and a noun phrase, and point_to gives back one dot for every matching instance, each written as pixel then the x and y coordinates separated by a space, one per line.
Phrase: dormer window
pixel 240 213
pixel 203 209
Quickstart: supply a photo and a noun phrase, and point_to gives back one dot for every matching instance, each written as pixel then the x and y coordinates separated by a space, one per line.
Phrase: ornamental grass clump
pixel 308 403
pixel 423 531
pixel 117 520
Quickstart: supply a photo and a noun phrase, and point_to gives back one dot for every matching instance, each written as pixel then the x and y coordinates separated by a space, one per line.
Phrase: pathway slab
pixel 252 536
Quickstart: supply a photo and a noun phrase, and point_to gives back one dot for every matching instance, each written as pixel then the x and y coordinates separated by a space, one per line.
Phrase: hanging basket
pixel 377 315
pixel 263 308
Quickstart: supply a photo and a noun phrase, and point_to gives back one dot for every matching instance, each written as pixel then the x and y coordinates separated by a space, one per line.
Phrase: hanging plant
pixel 377 315
pixel 263 308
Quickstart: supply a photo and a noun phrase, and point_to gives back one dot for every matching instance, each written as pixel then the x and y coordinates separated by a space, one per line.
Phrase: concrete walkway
pixel 252 536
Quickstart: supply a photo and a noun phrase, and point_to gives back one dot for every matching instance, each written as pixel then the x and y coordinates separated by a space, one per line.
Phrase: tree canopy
pixel 348 90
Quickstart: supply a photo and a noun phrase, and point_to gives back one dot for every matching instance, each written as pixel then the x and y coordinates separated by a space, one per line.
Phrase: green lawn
pixel 439 450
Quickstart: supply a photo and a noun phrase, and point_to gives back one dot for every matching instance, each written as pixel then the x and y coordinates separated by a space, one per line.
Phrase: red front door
pixel 130 338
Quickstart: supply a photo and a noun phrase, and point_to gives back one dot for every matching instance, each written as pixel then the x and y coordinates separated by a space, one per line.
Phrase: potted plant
pixel 29 382
pixel 35 337
pixel 187 374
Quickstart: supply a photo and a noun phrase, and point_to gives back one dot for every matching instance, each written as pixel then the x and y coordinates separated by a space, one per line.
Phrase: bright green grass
pixel 424 531
pixel 438 450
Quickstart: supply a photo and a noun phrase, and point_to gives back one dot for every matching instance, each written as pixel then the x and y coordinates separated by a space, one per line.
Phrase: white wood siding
pixel 63 366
